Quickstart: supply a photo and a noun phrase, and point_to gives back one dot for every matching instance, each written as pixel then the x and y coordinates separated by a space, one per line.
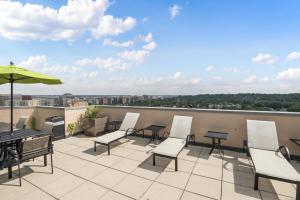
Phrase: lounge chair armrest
pixel 286 153
pixel 165 133
pixel 130 129
pixel 188 138
pixel 12 153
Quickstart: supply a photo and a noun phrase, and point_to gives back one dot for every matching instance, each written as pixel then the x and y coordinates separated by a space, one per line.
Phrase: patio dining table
pixel 6 138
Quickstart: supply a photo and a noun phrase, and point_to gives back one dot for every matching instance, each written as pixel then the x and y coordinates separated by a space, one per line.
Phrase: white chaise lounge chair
pixel 127 127
pixel 267 157
pixel 179 136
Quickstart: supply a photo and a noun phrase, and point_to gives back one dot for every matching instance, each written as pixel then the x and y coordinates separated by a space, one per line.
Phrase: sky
pixel 135 47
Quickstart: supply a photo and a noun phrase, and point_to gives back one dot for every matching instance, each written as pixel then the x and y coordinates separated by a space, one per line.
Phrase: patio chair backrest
pixel 35 147
pixel 47 129
pixel 21 124
pixel 181 126
pixel 262 135
pixel 129 121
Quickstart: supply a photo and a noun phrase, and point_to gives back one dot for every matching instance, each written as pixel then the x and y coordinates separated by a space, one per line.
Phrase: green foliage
pixel 32 123
pixel 71 128
pixel 92 112
pixel 243 101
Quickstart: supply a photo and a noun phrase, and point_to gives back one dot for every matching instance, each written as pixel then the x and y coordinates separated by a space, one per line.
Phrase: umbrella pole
pixel 11 103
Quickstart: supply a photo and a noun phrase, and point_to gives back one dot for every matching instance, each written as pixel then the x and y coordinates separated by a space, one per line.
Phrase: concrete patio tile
pixel 63 185
pixel 122 152
pixel 109 178
pixel 237 166
pixel 272 196
pixel 213 159
pixel 278 187
pixel 89 170
pixel 148 171
pixel 211 171
pixel 10 189
pixel 238 178
pixel 160 161
pixel 190 153
pixel 42 179
pixel 108 160
pixel 36 194
pixel 176 179
pixel 84 153
pixel 87 190
pixel 159 191
pixel 133 186
pixel 231 191
pixel 66 147
pixel 192 196
pixel 204 186
pixel 139 156
pixel 183 165
pixel 111 195
pixel 126 165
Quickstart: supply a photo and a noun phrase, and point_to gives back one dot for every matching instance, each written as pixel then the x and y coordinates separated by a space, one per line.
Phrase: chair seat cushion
pixel 110 137
pixel 170 147
pixel 272 163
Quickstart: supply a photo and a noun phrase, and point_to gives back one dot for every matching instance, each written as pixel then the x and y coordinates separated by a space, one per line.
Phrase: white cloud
pixel 264 58
pixel 35 22
pixel 265 79
pixel 36 61
pixel 293 56
pixel 40 63
pixel 150 46
pixel 174 10
pixel 147 38
pixel 232 69
pixel 209 68
pixel 217 78
pixel 135 56
pixel 113 26
pixel 90 75
pixel 110 63
pixel 109 42
pixel 289 74
pixel 250 79
pixel 58 69
pixel 177 75
pixel 88 40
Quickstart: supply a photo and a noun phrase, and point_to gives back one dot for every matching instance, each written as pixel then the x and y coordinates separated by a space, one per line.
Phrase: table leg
pixel 213 145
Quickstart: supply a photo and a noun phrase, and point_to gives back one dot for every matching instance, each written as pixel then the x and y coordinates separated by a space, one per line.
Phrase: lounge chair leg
pixel 154 159
pixel 176 164
pixel 108 149
pixel 19 173
pixel 9 172
pixel 256 182
pixel 95 146
pixel 51 163
pixel 298 192
pixel 45 160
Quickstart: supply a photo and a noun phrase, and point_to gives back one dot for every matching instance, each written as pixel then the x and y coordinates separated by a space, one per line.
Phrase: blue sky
pixel 154 47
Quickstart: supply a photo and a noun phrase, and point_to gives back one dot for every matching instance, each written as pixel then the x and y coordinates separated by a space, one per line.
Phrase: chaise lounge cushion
pixel 110 137
pixel 274 164
pixel 170 147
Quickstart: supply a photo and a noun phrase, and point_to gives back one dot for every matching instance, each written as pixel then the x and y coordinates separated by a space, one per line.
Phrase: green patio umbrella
pixel 12 74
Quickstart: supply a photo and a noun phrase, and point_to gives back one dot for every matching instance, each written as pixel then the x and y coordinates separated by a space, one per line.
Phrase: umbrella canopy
pixel 15 74
pixel 12 74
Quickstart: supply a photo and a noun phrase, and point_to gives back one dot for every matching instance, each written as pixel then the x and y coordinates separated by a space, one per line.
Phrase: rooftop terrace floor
pixel 81 173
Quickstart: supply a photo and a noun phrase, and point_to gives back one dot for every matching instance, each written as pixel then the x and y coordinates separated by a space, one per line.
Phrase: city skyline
pixel 102 47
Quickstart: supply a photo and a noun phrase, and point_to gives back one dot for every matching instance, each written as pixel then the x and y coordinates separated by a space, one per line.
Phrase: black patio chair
pixel 30 149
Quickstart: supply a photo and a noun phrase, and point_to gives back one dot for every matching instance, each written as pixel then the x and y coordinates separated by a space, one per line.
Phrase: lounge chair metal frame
pixel 132 130
pixel 171 157
pixel 258 175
